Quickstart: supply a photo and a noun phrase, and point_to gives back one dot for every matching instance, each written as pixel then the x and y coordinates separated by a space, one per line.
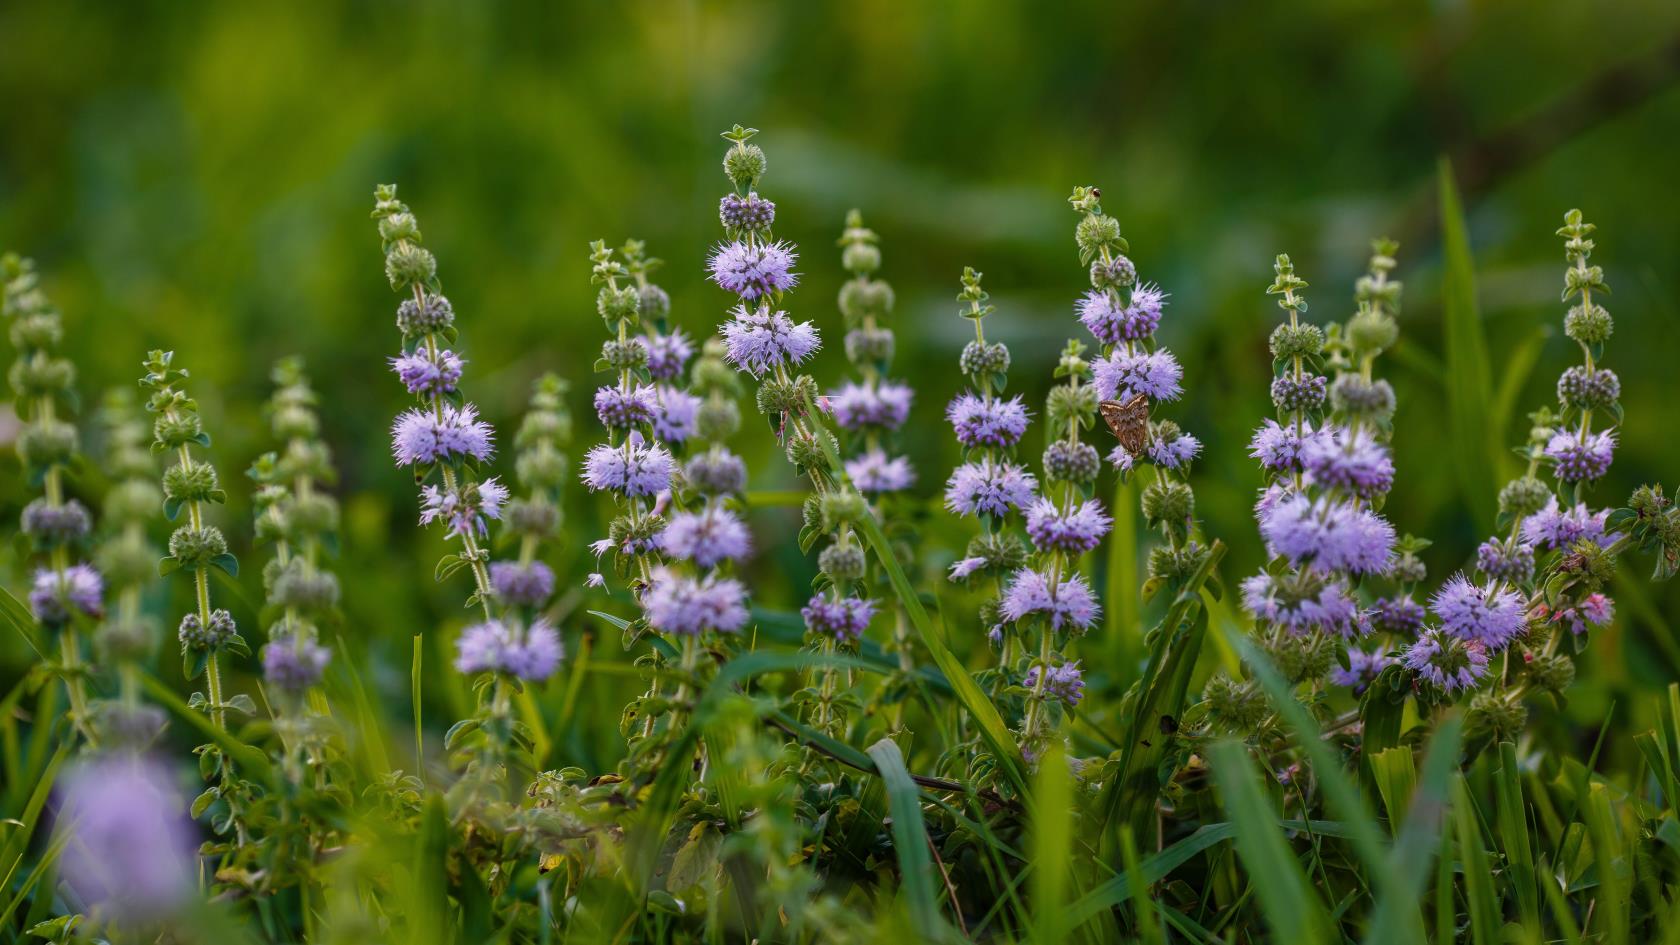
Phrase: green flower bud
pixel 617 305
pixel 652 302
pixel 1589 325
pixel 978 359
pixel 1292 341
pixel 1300 658
pixel 624 355
pixel 1003 553
pixel 863 298
pixel 196 546
pixel 1523 496
pixel 533 518
pixel 1371 331
pixel 1232 706
pixel 842 507
pixel 1495 715
pixel 717 419
pixel 805 452
pixel 861 257
pixel 127 560
pixel 1358 397
pixel 790 396
pixel 1095 233
pixel 1066 461
pixel 542 467
pixel 172 431
pixel 407 265
pixel 1552 674
pixel 122 640
pixel 132 500
pixel 37 330
pixel 46 443
pixel 41 375
pixel 400 226
pixel 744 164
pixel 1168 502
pixel 192 481
pixel 304 589
pixel 843 562
pixel 866 345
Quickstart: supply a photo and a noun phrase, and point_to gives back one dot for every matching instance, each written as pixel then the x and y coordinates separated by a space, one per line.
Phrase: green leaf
pixel 1513 837
pixel 1469 374
pixel 1398 917
pixel 227 564
pixel 1290 908
pixel 1052 845
pixel 910 841
pixel 1479 893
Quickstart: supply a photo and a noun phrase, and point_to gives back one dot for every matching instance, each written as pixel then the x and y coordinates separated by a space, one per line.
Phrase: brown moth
pixel 1129 421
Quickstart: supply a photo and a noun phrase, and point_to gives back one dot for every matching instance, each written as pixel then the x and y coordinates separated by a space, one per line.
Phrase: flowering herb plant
pixel 934 739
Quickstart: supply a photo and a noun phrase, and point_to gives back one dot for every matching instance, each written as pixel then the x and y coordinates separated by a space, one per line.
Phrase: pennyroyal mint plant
pixel 65 595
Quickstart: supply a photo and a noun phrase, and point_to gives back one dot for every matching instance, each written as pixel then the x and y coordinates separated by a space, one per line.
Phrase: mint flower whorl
pixel 874 473
pixel 686 606
pixel 531 653
pixel 1490 618
pixel 448 434
pixel 884 405
pixel 1580 458
pixel 990 489
pixel 1065 682
pixel 754 270
pixel 429 372
pixel 667 355
pixel 1304 603
pixel 1075 531
pixel 464 508
pixel 1113 323
pixel 635 470
pixel 1449 663
pixel 57 595
pixel 844 619
pixel 762 341
pixel 983 422
pixel 707 538
pixel 1125 375
pixel 1362 669
pixel 129 853
pixel 1552 527
pixel 1067 605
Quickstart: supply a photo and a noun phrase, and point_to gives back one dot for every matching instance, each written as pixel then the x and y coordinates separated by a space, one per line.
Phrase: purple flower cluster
pixel 620 408
pixel 1351 461
pixel 874 472
pixel 707 538
pixel 688 606
pixel 1064 682
pixel 1175 452
pixel 1579 459
pixel 129 852
pixel 532 654
pixel 1123 375
pixel 989 488
pixel 522 585
pixel 1399 615
pixel 1113 324
pixel 1593 610
pixel 55 598
pixel 1491 618
pixel 676 415
pixel 293 665
pixel 668 355
pixel 465 507
pixel 1362 669
pixel 636 470
pixel 447 434
pixel 844 619
pixel 1500 561
pixel 758 341
pixel 753 270
pixel 1554 527
pixel 1069 605
pixel 1327 535
pixel 883 405
pixel 427 372
pixel 1074 532
pixel 1278 447
pixel 1447 661
pixel 991 422
pixel 1329 608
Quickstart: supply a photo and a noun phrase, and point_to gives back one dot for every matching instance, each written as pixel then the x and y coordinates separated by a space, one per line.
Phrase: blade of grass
pixel 1149 926
pixel 1469 374
pixel 1052 843
pixel 1122 625
pixel 1613 861
pixel 1398 918
pixel 1479 894
pixel 1514 839
pixel 910 841
pixel 414 684
pixel 1290 908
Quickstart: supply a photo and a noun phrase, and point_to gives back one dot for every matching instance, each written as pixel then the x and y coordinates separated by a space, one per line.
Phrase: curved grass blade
pixel 910 841
pixel 1290 908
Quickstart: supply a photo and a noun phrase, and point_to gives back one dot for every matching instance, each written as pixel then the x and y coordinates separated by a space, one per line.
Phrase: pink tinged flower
pixel 1578 459
pixel 1122 376
pixel 686 606
pixel 845 619
pixel 620 408
pixel 754 270
pixel 447 434
pixel 1068 605
pixel 1076 531
pixel 1593 611
pixel 129 852
pixel 1449 663
pixel 1482 615
pixel 874 473
pixel 635 469
pixel 676 415
pixel 993 422
pixel 883 405
pixel 988 488
pixel 707 538
pixel 428 373
pixel 758 341
pixel 1353 462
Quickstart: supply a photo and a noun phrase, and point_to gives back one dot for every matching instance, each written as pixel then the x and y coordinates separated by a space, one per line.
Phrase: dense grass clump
pixel 929 745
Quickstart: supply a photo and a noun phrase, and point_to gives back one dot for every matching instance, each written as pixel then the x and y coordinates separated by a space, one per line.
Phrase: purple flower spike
pixel 883 406
pixel 753 271
pixel 465 507
pixel 427 373
pixel 524 585
pixel 1122 376
pixel 668 355
pixel 1552 527
pixel 619 408
pixel 685 606
pixel 874 472
pixel 707 538
pixel 845 619
pixel 1065 682
pixel 1470 612
pixel 446 435
pixel 129 852
pixel 635 469
pixel 1069 605
pixel 1353 462
pixel 1448 662
pixel 982 422
pixel 1578 460
pixel 758 341
pixel 1075 532
pixel 676 416
pixel 988 488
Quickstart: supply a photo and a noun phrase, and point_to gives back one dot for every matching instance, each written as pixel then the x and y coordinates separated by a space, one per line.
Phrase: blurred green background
pixel 198 177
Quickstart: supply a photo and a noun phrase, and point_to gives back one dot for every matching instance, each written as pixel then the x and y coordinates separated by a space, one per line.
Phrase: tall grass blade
pixel 910 841
pixel 1514 839
pixel 1469 374
pixel 1479 894
pixel 1288 904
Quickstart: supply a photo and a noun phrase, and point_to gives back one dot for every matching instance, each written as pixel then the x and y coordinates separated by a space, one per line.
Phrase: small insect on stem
pixel 1129 421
